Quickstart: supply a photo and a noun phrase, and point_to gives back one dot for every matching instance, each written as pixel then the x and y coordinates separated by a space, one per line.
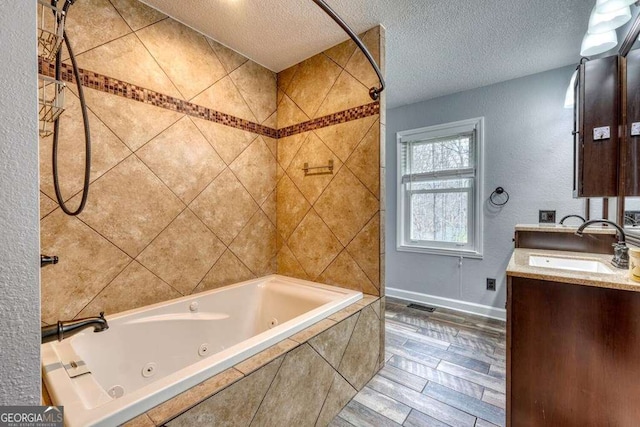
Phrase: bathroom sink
pixel 586 265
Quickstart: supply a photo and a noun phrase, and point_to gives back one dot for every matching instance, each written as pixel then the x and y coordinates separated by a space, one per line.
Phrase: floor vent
pixel 422 307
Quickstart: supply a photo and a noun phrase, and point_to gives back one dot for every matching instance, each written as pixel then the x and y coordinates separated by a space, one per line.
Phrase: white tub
pixel 151 354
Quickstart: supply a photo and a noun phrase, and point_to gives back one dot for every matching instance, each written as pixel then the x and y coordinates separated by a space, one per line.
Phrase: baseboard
pixel 463 306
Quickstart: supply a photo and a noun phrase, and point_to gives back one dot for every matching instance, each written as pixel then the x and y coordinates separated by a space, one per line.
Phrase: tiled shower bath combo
pixel 198 182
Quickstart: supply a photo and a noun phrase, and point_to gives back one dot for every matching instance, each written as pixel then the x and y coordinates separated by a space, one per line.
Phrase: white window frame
pixel 476 217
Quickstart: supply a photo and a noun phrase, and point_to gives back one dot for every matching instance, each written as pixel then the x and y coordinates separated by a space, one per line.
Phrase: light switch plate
pixel 635 129
pixel 601 133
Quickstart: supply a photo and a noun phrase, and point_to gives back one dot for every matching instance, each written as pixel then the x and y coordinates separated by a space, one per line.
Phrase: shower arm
pixel 374 92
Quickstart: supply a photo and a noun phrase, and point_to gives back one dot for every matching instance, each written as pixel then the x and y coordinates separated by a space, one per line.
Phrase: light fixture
pixel 595 44
pixel 608 6
pixel 603 22
pixel 569 99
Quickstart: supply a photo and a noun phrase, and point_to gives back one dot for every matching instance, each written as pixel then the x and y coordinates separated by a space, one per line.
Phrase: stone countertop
pixel 557 228
pixel 519 267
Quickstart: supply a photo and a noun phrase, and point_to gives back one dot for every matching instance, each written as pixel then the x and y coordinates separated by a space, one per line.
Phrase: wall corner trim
pixel 453 304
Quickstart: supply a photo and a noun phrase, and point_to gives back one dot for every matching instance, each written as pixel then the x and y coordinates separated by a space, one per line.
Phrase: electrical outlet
pixel 491 284
pixel 547 217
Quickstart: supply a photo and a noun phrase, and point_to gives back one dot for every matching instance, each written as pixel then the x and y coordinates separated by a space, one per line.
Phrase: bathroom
pixel 246 253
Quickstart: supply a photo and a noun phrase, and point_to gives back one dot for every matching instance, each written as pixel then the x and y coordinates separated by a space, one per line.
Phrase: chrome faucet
pixel 571 216
pixel 67 328
pixel 620 249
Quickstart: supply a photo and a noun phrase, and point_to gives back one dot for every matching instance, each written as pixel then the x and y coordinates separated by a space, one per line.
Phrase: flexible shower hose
pixel 87 132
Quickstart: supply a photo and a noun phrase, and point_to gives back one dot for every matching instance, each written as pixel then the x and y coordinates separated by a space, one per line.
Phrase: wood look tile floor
pixel 443 368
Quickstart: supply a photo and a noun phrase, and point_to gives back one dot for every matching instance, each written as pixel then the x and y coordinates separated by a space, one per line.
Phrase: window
pixel 439 189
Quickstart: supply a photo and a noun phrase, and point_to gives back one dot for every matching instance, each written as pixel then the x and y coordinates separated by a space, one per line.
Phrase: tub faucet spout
pixel 620 249
pixel 65 329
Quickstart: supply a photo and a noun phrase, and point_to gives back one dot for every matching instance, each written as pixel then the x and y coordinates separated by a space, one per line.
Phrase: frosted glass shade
pixel 569 99
pixel 603 22
pixel 607 6
pixel 595 44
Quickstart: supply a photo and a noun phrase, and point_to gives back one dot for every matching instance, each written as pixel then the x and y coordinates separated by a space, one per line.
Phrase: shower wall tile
pixel 107 151
pixel 256 244
pixel 224 96
pixel 341 53
pixel 346 273
pixel 255 167
pixel 134 287
pixel 365 249
pixel 312 82
pixel 230 58
pixel 288 265
pixel 136 14
pixel 227 141
pixel 47 205
pixel 183 159
pixel 128 60
pixel 358 65
pixel 91 23
pixel 183 253
pixel 289 113
pixel 347 92
pixel 314 245
pixel 364 156
pixel 344 137
pixel 134 123
pixel 184 55
pixel 130 206
pixel 257 85
pixel 226 271
pixel 87 264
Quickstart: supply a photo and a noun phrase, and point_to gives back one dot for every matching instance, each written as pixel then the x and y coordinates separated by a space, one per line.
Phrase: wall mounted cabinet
pixel 597 118
pixel 631 136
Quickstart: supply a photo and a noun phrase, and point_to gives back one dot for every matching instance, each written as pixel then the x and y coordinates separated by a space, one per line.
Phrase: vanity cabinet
pixel 596 139
pixel 573 355
pixel 631 139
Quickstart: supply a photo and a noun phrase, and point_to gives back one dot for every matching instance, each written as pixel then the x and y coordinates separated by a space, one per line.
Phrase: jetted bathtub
pixel 151 354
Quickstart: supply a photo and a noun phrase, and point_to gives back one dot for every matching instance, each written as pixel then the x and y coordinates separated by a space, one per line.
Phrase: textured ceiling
pixel 434 47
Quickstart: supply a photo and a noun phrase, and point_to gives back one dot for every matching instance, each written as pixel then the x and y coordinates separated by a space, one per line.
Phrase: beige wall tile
pixel 291 207
pixel 136 13
pixel 289 146
pixel 47 205
pixel 176 405
pixel 183 253
pixel 223 96
pixel 255 246
pixel 343 138
pixel 285 77
pixel 107 151
pixel 332 343
pixel 226 271
pixel 304 379
pixel 130 206
pixel 184 55
pixel 365 249
pixel 256 170
pixel 91 23
pixel 134 122
pixel 183 159
pixel 230 58
pixel 364 159
pixel 346 206
pixel 312 82
pixel 314 245
pixel 347 92
pixel 289 113
pixel 359 66
pixel 346 273
pixel 341 53
pixel 228 142
pixel 88 262
pixel 225 206
pixel 134 287
pixel 339 395
pixel 315 153
pixel 288 265
pixel 360 360
pixel 269 207
pixel 233 406
pixel 258 88
pixel 129 61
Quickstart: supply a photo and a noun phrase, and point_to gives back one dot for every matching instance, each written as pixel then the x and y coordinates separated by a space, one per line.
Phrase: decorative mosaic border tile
pixel 117 87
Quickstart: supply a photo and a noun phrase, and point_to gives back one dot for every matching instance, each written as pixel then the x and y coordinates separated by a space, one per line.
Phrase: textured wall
pixel 528 151
pixel 19 310
pixel 329 224
pixel 177 204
